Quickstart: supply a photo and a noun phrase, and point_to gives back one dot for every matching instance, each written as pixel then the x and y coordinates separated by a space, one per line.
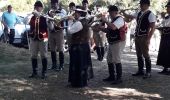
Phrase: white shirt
pixel 119 22
pixel 74 27
pixel 151 18
pixel 62 14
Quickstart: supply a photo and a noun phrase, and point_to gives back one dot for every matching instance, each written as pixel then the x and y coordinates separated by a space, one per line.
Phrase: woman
pixel 164 48
pixel 39 38
pixel 80 59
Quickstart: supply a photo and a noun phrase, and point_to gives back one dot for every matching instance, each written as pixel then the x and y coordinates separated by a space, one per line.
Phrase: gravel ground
pixel 15 66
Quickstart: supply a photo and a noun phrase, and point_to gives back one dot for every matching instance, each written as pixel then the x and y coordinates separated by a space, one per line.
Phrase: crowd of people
pixel 83 31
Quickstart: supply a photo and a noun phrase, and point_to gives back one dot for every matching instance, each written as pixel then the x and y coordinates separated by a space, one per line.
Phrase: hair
pixel 72 4
pixel 85 1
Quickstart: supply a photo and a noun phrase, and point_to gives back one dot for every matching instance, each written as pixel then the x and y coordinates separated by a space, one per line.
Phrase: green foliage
pixel 27 5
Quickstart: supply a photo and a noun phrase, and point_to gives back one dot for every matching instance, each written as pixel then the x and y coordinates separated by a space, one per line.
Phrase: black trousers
pixel 9 36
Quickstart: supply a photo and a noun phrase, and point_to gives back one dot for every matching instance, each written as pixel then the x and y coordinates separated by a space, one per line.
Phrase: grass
pixel 15 66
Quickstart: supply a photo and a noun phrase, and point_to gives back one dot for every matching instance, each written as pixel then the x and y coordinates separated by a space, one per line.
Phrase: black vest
pixel 113 35
pixel 83 35
pixel 143 23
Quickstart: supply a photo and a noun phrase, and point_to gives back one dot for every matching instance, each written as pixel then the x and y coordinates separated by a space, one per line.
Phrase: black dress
pixel 164 51
pixel 80 70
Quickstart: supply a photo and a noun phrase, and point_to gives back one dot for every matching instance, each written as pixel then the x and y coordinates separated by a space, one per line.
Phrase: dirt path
pixel 15 84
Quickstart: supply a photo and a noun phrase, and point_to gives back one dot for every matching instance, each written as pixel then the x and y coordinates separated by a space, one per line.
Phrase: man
pixel 80 69
pixel 39 39
pixel 115 41
pixel 164 54
pixel 56 36
pixel 9 20
pixel 144 31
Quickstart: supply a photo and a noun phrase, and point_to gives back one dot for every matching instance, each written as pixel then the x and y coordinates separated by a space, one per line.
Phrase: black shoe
pixel 33 75
pixel 164 71
pixel 118 81
pixel 147 75
pixel 138 74
pixel 52 68
pixel 109 79
pixel 167 73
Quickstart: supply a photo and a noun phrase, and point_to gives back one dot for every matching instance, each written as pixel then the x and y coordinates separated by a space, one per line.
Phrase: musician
pixel 115 44
pixel 99 37
pixel 144 31
pixel 164 48
pixel 56 36
pixel 39 39
pixel 80 69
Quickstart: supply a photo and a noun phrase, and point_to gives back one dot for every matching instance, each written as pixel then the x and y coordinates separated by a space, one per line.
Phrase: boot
pixel 98 53
pixel 164 71
pixel 119 74
pixel 111 73
pixel 34 68
pixel 140 67
pixel 54 61
pixel 102 53
pixel 61 58
pixel 148 68
pixel 44 68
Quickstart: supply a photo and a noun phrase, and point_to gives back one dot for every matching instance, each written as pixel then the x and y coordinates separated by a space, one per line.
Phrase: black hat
pixel 145 2
pixel 168 4
pixel 85 1
pixel 113 8
pixel 54 1
pixel 80 9
pixel 38 3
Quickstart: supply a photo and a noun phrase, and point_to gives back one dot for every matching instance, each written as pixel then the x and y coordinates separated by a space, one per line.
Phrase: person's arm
pixel 152 29
pixel 75 27
pixel 128 17
pixel 152 20
pixel 17 19
pixel 118 23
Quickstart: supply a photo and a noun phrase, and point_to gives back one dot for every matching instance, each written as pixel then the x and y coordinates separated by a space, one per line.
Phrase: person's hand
pixel 70 17
pixel 104 19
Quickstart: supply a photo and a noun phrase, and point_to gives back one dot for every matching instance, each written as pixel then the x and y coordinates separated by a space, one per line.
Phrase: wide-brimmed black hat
pixel 112 8
pixel 168 4
pixel 145 2
pixel 38 4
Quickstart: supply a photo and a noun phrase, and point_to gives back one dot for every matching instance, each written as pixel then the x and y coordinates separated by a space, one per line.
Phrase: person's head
pixel 80 12
pixel 85 4
pixel 113 11
pixel 72 6
pixel 54 4
pixel 9 8
pixel 38 6
pixel 168 7
pixel 144 4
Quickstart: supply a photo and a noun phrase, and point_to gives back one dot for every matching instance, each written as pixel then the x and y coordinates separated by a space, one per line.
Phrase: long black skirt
pixel 164 51
pixel 80 69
